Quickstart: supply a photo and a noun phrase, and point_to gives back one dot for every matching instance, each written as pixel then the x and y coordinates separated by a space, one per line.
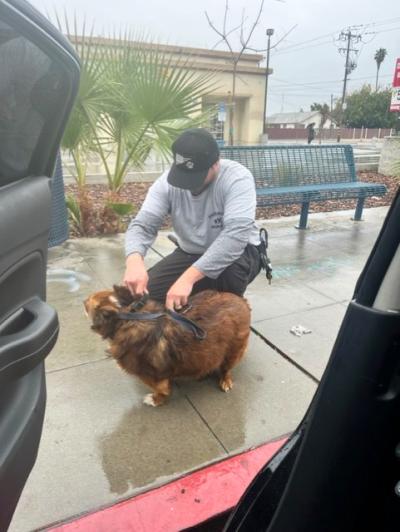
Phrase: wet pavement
pixel 101 444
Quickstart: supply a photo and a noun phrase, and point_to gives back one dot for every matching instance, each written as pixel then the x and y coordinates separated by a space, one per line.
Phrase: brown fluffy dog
pixel 162 349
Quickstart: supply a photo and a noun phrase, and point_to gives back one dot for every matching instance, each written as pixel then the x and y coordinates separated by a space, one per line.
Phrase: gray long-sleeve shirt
pixel 217 224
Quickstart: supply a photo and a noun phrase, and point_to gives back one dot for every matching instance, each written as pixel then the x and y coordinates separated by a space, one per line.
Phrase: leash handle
pixel 265 261
pixel 198 332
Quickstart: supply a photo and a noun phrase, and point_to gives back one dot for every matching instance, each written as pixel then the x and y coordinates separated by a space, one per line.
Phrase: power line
pixel 382 31
pixel 308 41
pixel 305 84
pixel 352 36
pixel 309 90
pixel 293 46
pixel 328 81
pixel 285 51
pixel 314 97
pixel 378 23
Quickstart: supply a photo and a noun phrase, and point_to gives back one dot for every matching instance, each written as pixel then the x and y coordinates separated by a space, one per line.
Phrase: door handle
pixel 26 338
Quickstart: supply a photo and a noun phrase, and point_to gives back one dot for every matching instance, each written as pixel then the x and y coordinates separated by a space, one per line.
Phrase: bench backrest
pixel 283 166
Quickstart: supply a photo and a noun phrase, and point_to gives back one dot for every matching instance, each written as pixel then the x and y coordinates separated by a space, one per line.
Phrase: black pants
pixel 234 278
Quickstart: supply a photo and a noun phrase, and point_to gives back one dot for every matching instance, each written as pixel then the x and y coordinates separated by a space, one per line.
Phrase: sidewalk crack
pixel 285 356
pixel 206 424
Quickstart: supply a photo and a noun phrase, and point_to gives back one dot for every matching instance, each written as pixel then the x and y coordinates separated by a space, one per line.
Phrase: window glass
pixel 30 85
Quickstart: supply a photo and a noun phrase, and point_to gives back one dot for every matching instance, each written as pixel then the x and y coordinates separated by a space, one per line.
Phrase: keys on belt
pixel 265 262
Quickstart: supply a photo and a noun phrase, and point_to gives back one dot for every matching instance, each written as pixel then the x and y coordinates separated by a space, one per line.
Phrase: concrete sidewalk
pixel 101 444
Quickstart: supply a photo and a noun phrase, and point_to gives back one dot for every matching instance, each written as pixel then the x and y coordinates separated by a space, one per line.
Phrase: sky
pixel 307 64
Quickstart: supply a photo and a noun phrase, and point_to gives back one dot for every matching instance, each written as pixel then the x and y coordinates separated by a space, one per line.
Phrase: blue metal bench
pixel 301 174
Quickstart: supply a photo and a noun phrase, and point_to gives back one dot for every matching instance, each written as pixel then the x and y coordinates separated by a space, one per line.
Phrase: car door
pixel 39 76
pixel 340 470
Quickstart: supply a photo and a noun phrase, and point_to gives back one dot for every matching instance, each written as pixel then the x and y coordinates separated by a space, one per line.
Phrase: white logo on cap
pixel 186 161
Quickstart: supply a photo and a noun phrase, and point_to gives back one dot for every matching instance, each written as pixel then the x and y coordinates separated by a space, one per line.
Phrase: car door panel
pixel 343 473
pixel 38 83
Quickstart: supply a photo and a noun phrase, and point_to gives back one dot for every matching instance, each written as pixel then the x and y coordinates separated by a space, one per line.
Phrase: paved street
pixel 101 444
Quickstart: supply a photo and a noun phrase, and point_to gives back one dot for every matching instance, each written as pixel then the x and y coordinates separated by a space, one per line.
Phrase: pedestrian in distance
pixel 310 132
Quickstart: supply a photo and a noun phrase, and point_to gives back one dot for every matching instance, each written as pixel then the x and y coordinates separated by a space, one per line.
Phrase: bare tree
pixel 224 34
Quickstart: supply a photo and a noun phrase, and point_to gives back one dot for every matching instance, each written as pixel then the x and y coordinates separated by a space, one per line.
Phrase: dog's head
pixel 128 336
pixel 103 307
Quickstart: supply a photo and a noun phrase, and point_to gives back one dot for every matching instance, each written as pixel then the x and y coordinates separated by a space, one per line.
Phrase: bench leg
pixel 303 215
pixel 359 209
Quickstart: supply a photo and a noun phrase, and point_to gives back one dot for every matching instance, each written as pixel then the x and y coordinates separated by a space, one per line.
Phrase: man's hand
pixel 178 294
pixel 136 277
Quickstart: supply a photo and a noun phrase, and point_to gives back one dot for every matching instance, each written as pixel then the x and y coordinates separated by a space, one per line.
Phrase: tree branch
pixel 235 56
pixel 221 34
pixel 225 16
pixel 245 42
pixel 254 24
pixel 242 28
pixel 276 44
pixel 213 27
pixel 222 40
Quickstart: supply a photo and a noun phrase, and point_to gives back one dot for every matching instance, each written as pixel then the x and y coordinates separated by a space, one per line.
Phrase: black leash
pixel 190 325
pixel 265 262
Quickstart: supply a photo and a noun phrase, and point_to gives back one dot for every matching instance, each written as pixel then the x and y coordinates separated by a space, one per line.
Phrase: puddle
pixel 71 278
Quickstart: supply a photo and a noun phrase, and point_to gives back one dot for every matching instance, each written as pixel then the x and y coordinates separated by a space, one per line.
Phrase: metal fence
pixel 275 133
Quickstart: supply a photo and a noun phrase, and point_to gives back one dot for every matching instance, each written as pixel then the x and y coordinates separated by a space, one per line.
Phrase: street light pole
pixel 269 32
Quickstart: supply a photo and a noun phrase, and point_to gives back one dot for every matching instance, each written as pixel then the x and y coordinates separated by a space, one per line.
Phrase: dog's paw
pixel 149 400
pixel 108 352
pixel 226 384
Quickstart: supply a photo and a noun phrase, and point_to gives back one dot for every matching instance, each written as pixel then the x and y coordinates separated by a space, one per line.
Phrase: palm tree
pixel 78 139
pixel 153 99
pixel 379 58
pixel 133 99
pixel 325 113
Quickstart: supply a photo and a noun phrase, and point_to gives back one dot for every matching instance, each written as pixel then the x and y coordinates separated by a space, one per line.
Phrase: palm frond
pixel 74 212
pixel 153 98
pixel 133 98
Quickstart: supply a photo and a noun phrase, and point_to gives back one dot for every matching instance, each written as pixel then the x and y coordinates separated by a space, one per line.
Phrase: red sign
pixel 395 103
pixel 396 79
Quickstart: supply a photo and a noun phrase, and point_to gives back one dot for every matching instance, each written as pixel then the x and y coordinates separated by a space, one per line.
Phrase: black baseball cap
pixel 194 152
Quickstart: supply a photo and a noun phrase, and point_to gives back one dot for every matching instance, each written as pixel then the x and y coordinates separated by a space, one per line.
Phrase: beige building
pixel 248 103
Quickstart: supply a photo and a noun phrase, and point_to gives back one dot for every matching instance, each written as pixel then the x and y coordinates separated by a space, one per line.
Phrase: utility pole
pixel 269 32
pixel 350 65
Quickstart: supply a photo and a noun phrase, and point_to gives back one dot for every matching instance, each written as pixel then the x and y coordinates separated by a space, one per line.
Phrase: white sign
pixel 221 112
pixel 395 102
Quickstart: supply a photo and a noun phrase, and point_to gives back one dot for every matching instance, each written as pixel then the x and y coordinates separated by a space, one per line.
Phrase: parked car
pixel 340 470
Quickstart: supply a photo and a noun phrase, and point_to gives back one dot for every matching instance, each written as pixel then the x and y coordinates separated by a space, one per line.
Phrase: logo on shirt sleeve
pixel 216 220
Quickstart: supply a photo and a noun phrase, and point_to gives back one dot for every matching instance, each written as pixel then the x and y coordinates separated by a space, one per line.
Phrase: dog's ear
pixel 104 321
pixel 103 315
pixel 123 295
